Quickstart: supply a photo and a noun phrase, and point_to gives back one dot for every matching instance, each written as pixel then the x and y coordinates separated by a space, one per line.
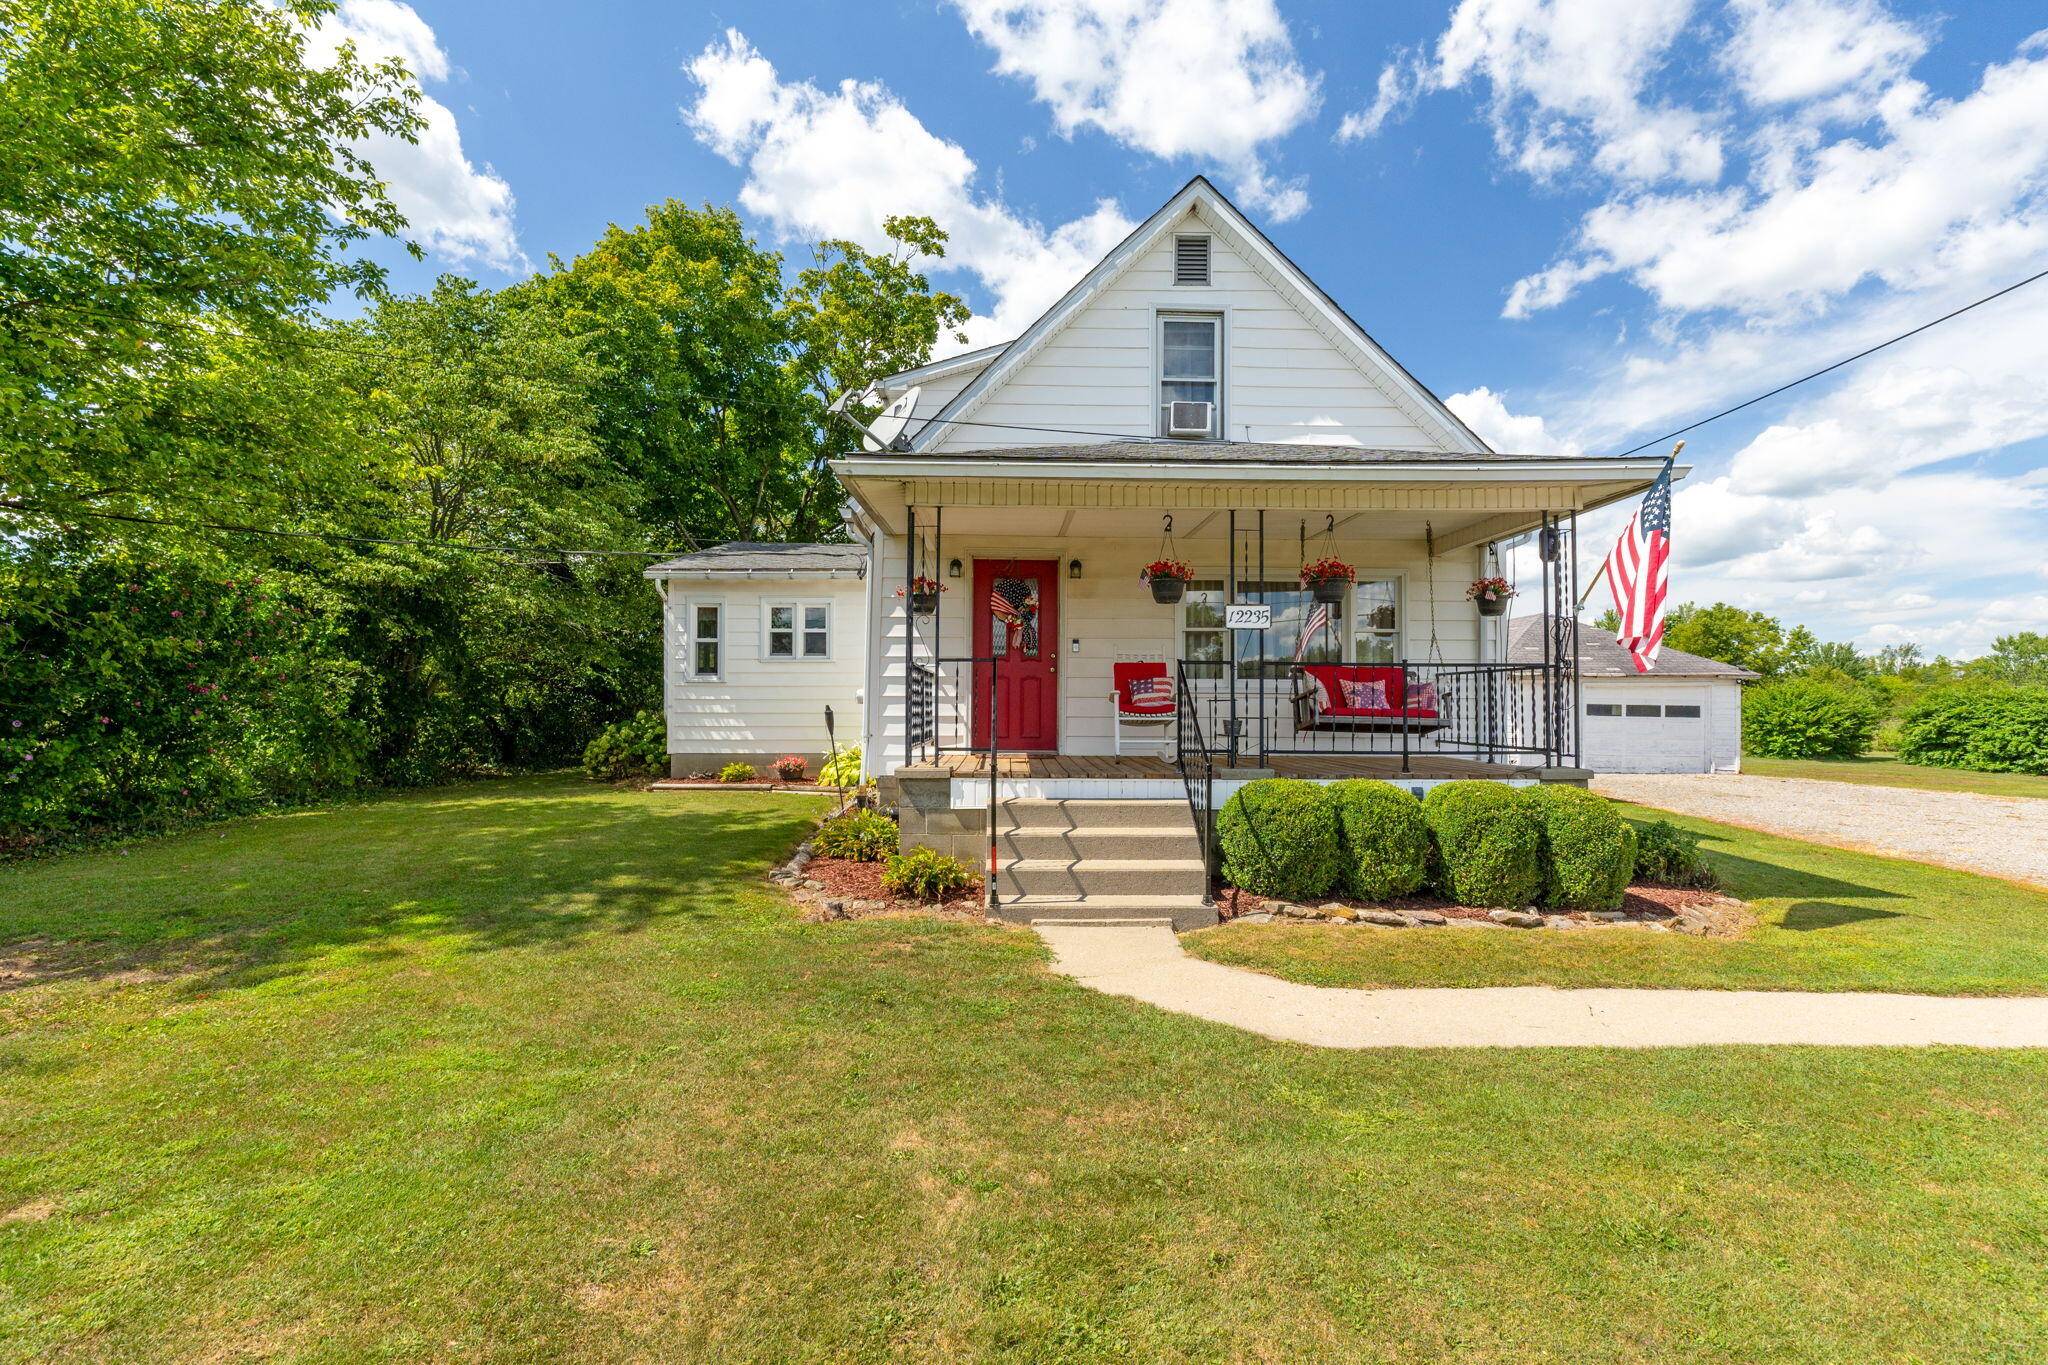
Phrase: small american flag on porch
pixel 1317 620
pixel 1637 572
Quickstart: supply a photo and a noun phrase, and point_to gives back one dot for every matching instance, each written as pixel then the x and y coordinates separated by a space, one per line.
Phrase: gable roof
pixel 1601 655
pixel 1407 392
pixel 764 559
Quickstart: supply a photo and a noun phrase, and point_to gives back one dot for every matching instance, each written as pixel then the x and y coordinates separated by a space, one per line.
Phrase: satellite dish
pixel 890 423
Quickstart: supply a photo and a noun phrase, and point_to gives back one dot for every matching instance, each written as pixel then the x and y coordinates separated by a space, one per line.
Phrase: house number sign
pixel 1248 615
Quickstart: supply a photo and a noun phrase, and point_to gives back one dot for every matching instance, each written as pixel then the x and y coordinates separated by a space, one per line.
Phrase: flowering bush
pixel 1167 568
pixel 635 747
pixel 790 768
pixel 1328 569
pixel 1490 590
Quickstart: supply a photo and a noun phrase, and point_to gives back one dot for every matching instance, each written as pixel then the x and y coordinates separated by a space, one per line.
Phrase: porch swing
pixel 1356 698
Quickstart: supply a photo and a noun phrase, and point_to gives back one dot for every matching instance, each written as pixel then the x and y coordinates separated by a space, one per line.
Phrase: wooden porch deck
pixel 1429 767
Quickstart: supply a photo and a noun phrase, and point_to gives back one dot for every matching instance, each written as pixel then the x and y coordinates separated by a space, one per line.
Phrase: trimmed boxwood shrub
pixel 1670 855
pixel 1486 844
pixel 1384 841
pixel 1802 718
pixel 1279 838
pixel 1990 730
pixel 1586 850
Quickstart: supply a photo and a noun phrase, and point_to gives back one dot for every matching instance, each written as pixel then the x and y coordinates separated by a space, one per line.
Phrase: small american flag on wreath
pixel 1638 571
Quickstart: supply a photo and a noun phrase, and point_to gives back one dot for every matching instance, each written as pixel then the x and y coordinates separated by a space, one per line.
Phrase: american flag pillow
pixel 1153 690
pixel 1422 696
pixel 1365 696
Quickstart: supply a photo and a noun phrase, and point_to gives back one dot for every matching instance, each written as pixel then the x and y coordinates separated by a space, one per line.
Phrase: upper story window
pixel 707 639
pixel 1191 260
pixel 799 630
pixel 1190 373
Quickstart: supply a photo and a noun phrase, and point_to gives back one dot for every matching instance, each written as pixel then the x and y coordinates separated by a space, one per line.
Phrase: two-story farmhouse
pixel 1025 694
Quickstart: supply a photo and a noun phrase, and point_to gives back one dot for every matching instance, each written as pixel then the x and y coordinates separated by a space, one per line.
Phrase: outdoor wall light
pixel 953 569
pixel 1073 568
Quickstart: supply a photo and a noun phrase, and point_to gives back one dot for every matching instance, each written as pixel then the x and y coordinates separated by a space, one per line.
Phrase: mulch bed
pixel 851 881
pixel 692 784
pixel 1646 902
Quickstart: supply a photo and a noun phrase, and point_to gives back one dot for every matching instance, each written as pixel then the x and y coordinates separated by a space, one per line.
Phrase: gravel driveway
pixel 2002 836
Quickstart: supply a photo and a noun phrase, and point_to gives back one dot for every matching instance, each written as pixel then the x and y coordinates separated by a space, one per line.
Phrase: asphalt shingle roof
pixel 752 556
pixel 1601 655
pixel 1236 452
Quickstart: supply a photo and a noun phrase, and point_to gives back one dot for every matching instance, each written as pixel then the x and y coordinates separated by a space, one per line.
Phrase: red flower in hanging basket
pixel 1166 568
pixel 1328 569
pixel 923 585
pixel 1490 590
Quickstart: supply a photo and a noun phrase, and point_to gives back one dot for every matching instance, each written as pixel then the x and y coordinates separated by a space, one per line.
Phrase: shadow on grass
pixel 1810 915
pixel 491 866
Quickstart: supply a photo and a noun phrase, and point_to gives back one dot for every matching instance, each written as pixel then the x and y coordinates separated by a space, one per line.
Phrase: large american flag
pixel 1637 572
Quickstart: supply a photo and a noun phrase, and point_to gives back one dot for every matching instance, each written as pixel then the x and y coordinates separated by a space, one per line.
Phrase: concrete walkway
pixel 2000 836
pixel 1144 961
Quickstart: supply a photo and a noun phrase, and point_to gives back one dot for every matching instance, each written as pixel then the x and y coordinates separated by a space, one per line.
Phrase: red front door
pixel 1017 622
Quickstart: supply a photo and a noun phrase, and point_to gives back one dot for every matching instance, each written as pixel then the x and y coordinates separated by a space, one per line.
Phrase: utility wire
pixel 1830 369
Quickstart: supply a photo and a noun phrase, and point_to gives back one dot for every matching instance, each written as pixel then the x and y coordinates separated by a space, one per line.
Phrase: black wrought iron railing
pixel 950 707
pixel 1490 711
pixel 1197 764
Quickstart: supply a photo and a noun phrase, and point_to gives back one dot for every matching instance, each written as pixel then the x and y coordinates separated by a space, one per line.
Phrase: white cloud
pixel 1214 81
pixel 1566 83
pixel 1796 51
pixel 453 208
pixel 837 162
pixel 1486 412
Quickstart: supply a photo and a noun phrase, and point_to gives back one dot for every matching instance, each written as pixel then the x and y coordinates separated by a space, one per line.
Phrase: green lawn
pixel 1889 772
pixel 1830 920
pixel 537 1071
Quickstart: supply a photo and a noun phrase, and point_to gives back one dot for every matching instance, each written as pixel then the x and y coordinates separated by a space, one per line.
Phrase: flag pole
pixel 1601 573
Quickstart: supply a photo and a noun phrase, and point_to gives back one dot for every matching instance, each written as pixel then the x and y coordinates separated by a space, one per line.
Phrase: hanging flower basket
pixel 1492 595
pixel 923 594
pixel 1169 580
pixel 1327 578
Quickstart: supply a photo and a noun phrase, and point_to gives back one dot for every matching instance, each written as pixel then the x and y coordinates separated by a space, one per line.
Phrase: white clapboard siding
pixel 1113 616
pixel 758 705
pixel 1285 378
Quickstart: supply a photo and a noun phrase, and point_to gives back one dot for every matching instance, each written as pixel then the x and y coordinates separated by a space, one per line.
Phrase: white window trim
pixel 796 604
pixel 690 638
pixel 1347 637
pixel 1215 316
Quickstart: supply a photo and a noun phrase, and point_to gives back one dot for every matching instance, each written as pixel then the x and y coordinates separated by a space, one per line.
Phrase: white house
pixel 1683 716
pixel 1194 397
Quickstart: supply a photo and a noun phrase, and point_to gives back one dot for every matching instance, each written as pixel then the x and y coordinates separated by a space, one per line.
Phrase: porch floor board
pixel 1141 767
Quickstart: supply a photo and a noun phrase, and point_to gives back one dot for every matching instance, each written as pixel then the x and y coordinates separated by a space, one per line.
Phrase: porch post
pixel 909 639
pixel 1230 636
pixel 1262 641
pixel 1578 695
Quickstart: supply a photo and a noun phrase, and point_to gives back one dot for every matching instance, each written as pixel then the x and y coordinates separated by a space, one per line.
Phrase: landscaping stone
pixel 1427 917
pixel 1609 916
pixel 1258 917
pixel 1338 912
pixel 1516 919
pixel 1559 922
pixel 1392 919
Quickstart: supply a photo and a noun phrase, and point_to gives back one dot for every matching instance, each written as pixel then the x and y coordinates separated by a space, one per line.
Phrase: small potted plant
pixel 790 768
pixel 1491 594
pixel 1169 580
pixel 1327 578
pixel 924 595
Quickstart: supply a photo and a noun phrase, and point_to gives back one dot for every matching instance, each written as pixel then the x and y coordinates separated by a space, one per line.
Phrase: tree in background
pixel 2021 660
pixel 171 169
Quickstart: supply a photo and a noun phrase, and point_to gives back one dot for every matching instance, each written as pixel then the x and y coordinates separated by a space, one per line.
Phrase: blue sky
pixel 1583 224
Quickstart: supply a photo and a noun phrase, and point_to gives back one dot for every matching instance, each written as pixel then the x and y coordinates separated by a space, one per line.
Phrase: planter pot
pixel 1492 606
pixel 924 603
pixel 1330 590
pixel 1167 591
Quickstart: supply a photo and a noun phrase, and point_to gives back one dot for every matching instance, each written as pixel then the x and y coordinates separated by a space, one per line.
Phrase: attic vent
pixel 1191 260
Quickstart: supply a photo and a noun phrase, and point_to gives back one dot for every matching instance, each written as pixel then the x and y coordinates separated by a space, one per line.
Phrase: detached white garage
pixel 1685 716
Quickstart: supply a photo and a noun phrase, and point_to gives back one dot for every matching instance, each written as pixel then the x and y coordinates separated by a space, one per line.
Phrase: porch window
pixel 1202 636
pixel 1191 365
pixel 1375 621
pixel 1293 610
pixel 707 639
pixel 794 626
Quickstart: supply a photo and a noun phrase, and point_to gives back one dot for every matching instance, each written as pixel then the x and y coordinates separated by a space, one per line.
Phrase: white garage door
pixel 1632 728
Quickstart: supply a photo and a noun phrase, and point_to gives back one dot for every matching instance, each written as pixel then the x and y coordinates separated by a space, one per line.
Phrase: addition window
pixel 799 630
pixel 1190 368
pixel 707 639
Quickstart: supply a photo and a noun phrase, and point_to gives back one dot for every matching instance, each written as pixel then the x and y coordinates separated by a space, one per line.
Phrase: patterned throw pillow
pixel 1422 697
pixel 1365 696
pixel 1151 691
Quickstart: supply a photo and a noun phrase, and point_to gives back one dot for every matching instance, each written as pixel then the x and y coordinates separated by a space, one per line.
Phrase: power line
pixel 332 535
pixel 1830 369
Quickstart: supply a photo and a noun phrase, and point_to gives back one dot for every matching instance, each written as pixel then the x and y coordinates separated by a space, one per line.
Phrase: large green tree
pixel 173 170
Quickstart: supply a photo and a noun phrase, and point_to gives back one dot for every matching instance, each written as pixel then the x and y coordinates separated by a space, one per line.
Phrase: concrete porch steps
pixel 1107 859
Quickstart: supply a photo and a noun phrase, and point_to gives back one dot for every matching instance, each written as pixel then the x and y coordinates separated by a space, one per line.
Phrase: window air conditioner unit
pixel 1189 419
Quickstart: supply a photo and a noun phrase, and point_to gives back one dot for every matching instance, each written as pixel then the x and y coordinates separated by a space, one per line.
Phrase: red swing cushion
pixel 1329 680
